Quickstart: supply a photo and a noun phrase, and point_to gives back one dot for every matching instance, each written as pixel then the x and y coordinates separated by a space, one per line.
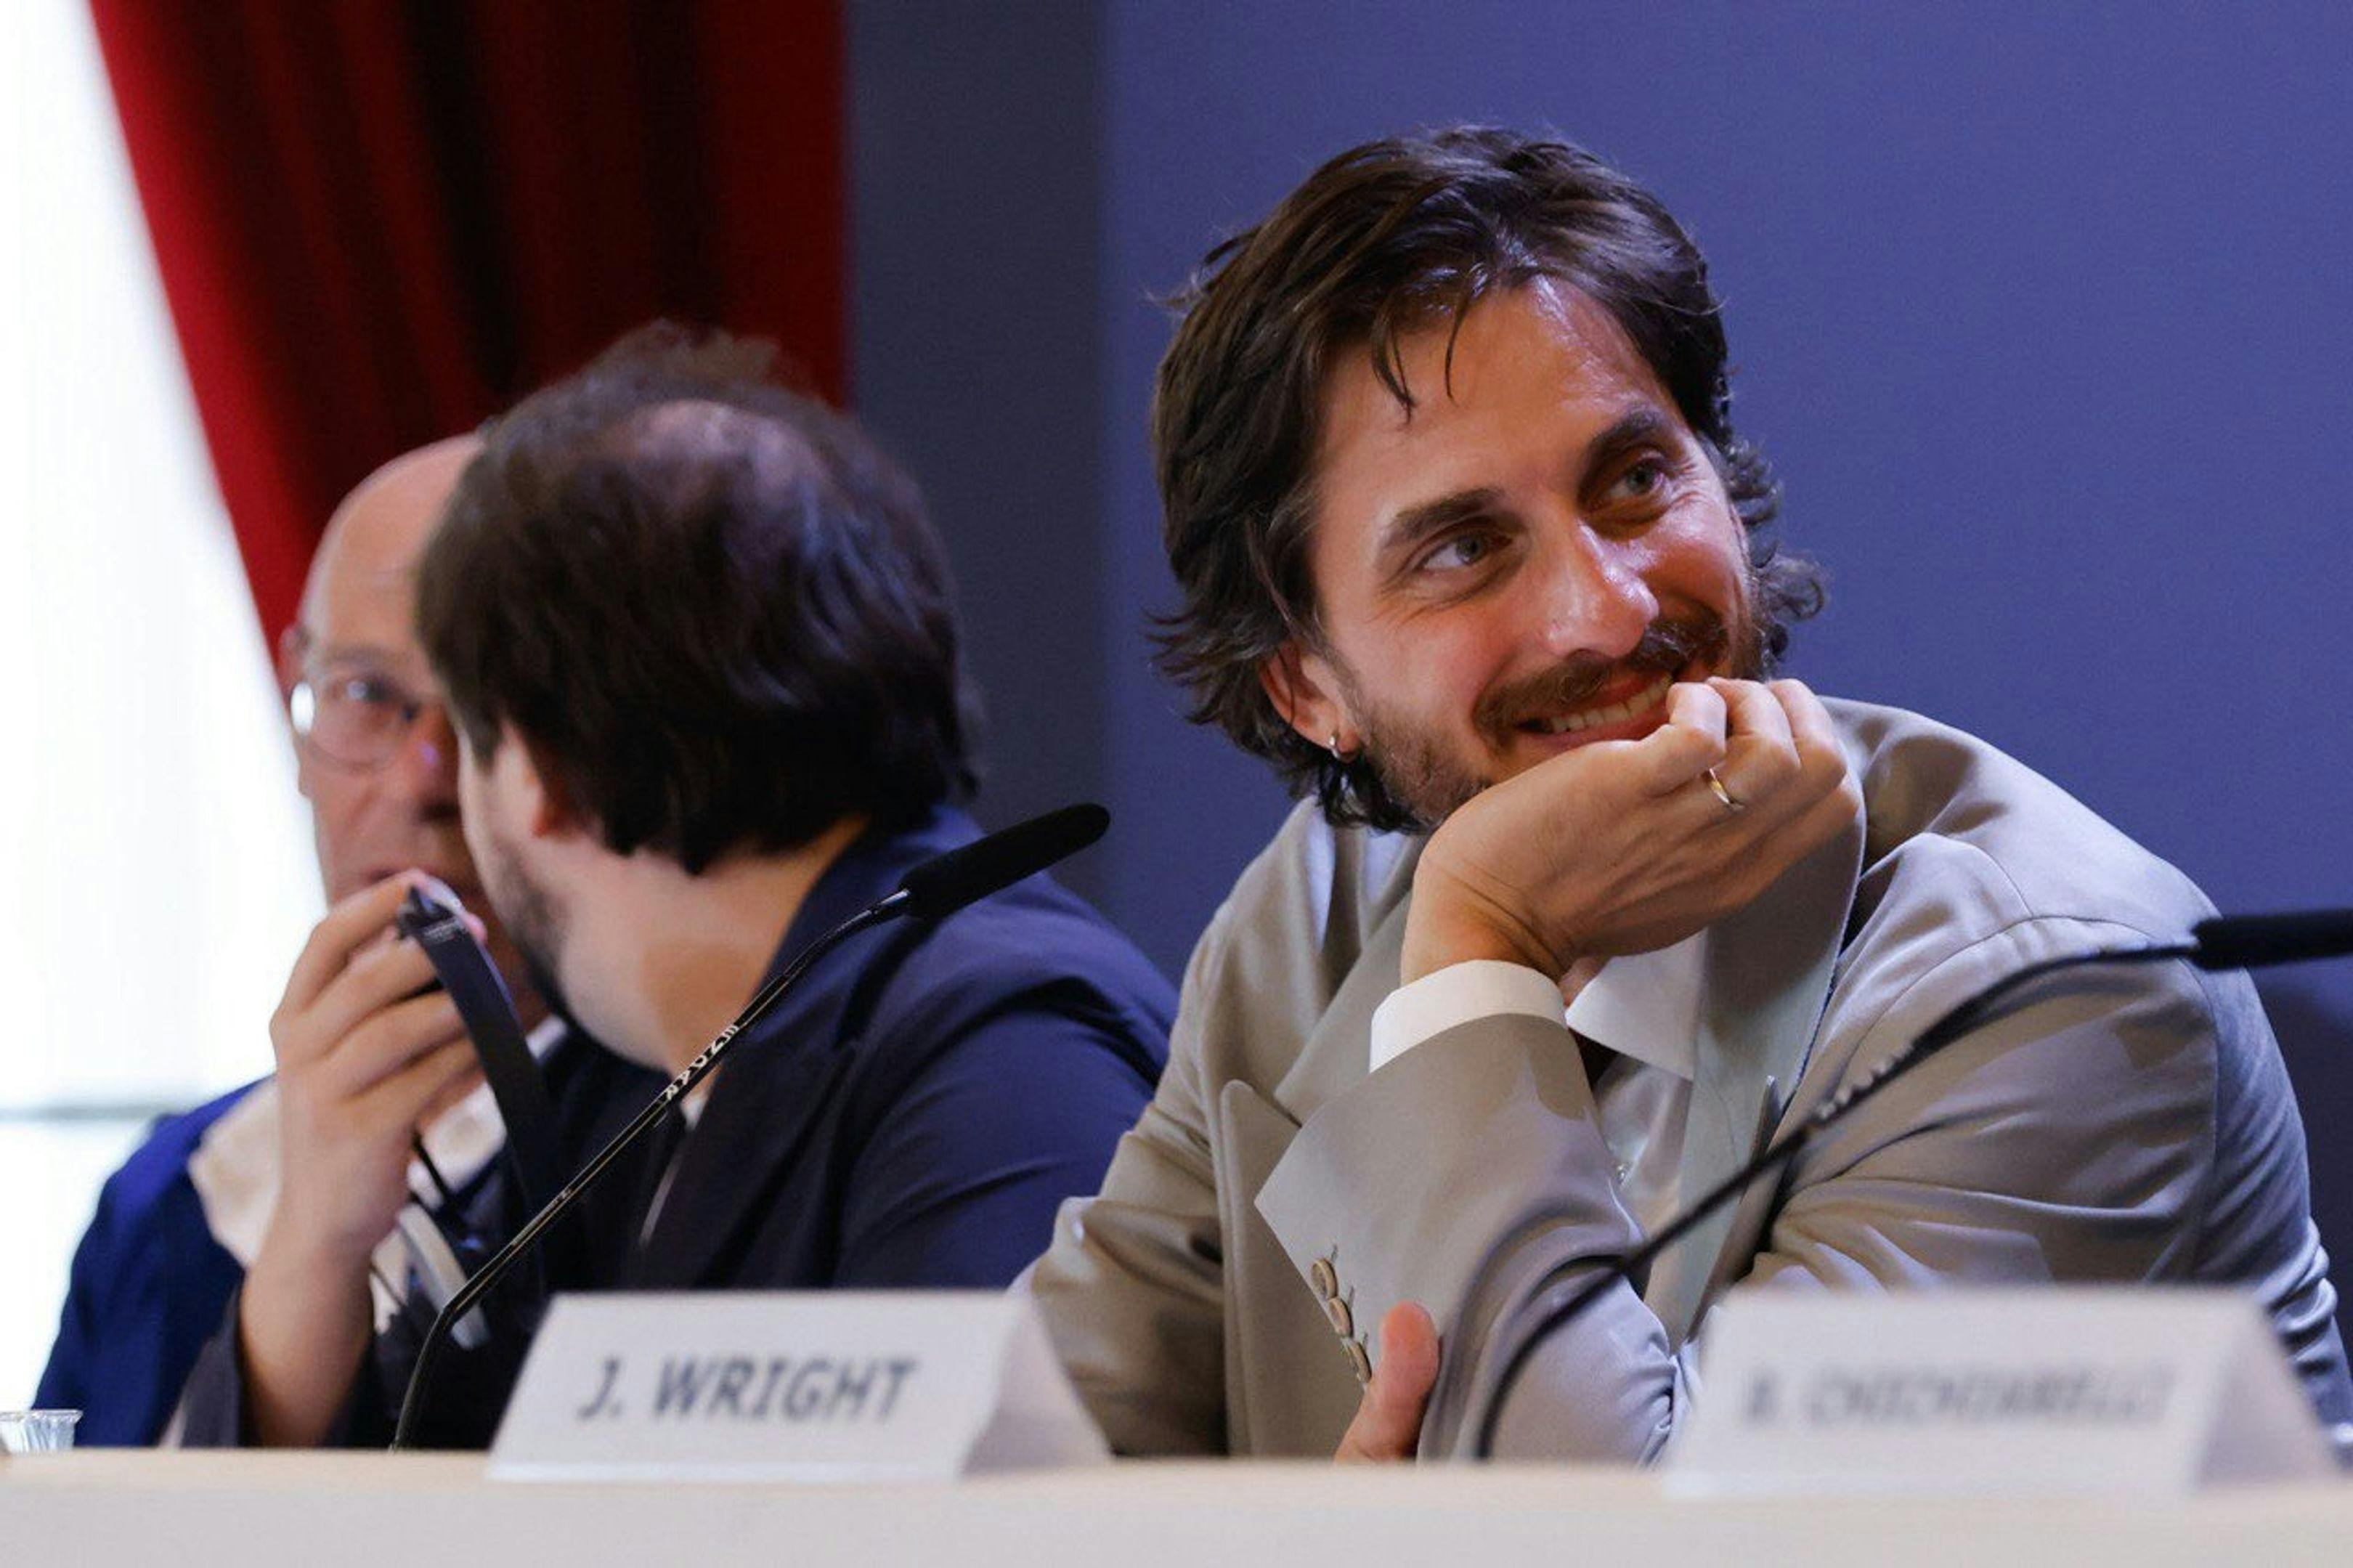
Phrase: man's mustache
pixel 1666 647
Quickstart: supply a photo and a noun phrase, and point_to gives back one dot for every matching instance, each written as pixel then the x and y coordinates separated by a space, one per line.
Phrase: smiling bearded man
pixel 1582 910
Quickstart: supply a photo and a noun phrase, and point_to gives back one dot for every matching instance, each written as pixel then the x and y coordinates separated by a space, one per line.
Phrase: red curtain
pixel 379 221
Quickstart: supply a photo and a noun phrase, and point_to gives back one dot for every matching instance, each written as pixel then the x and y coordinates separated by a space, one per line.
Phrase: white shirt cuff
pixel 1479 988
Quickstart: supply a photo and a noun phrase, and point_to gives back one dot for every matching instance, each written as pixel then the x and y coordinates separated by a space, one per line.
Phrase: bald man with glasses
pixel 366 1061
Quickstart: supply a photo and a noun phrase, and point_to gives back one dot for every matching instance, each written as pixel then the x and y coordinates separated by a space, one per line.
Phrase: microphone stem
pixel 1959 1020
pixel 428 1349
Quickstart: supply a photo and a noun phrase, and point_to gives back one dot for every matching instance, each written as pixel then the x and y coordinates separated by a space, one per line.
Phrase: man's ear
pixel 293 644
pixel 1305 689
pixel 548 808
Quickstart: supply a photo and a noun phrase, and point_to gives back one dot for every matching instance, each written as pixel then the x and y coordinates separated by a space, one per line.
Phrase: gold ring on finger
pixel 1717 784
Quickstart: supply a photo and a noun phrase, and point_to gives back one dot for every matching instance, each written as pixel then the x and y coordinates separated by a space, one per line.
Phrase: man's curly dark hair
pixel 1384 240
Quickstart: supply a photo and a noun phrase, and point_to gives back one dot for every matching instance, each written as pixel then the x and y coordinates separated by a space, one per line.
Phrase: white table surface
pixel 355 1510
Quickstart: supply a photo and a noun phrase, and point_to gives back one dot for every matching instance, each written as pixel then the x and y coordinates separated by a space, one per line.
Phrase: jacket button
pixel 1344 1322
pixel 1358 1360
pixel 1327 1282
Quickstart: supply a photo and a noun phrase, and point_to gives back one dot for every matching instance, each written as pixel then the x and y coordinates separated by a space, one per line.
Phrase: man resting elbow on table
pixel 1584 907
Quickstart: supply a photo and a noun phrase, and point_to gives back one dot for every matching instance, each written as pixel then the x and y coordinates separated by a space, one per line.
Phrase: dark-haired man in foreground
pixel 696 643
pixel 1585 907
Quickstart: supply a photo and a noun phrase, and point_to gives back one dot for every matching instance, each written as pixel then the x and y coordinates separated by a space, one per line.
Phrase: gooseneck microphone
pixel 931 891
pixel 946 883
pixel 2241 941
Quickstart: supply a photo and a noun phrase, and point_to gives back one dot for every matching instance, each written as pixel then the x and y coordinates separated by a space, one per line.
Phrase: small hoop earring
pixel 1339 756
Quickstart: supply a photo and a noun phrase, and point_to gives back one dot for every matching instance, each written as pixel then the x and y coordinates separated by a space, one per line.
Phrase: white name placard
pixel 2075 1390
pixel 822 1386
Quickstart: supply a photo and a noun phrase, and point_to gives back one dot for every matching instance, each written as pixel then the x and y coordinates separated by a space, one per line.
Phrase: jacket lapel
pixel 1288 1386
pixel 1338 1053
pixel 777 1077
pixel 1370 884
pixel 1768 970
pixel 766 1099
pixel 1276 1330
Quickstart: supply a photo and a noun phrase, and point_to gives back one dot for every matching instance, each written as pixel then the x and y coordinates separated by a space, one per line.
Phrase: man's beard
pixel 1418 771
pixel 532 923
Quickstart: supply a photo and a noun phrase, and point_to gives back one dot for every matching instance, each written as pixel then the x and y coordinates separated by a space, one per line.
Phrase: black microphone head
pixel 2250 942
pixel 946 883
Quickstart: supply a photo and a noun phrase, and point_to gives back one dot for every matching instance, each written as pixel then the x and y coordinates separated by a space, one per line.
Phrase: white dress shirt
pixel 237 1172
pixel 1643 1008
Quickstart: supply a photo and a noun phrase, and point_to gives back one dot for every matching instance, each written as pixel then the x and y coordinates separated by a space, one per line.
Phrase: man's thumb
pixel 1388 1417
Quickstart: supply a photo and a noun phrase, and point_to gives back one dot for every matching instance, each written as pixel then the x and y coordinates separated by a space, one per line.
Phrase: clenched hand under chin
pixel 1624 845
pixel 367 1053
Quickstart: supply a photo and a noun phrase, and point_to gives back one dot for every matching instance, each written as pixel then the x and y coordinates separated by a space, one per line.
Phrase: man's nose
pixel 1595 601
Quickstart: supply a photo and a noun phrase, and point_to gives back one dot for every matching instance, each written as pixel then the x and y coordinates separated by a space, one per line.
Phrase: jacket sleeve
pixel 212 1406
pixel 145 1289
pixel 954 1184
pixel 65 1379
pixel 1133 1289
pixel 2068 1140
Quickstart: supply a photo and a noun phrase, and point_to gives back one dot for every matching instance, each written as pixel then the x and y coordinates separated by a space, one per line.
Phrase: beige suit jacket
pixel 1275 1199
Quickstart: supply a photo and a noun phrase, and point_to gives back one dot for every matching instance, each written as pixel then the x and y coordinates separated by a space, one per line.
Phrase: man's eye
pixel 365 691
pixel 1642 480
pixel 1462 550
